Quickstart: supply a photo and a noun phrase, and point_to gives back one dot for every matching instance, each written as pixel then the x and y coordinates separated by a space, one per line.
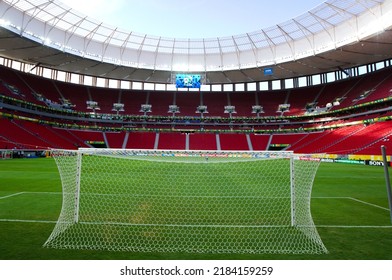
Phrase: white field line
pixel 354 199
pixel 28 221
pixel 230 226
pixel 11 195
pixel 371 204
pixel 343 226
pixel 346 226
pixel 318 226
pixel 20 193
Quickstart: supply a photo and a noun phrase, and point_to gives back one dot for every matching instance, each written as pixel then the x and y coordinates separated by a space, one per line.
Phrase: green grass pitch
pixel 349 208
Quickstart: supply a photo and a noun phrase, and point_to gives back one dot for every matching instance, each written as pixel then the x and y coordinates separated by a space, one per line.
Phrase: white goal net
pixel 197 202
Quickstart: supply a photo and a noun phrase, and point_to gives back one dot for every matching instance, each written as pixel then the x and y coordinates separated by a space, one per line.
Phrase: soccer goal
pixel 6 154
pixel 186 201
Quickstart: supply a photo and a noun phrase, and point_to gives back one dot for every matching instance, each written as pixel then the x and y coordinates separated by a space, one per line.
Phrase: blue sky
pixel 192 19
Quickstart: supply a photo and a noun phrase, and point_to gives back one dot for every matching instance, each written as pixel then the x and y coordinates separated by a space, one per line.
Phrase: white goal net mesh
pixel 197 202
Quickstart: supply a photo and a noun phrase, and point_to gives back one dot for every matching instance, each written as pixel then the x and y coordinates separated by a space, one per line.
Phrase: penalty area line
pixel 370 204
pixel 20 193
pixel 11 195
pixel 351 198
pixel 28 221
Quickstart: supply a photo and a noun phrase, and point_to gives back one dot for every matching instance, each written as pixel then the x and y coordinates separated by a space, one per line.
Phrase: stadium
pixel 264 145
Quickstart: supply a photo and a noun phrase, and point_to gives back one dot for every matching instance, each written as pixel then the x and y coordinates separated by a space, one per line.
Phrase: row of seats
pixel 48 92
pixel 16 133
pixel 358 139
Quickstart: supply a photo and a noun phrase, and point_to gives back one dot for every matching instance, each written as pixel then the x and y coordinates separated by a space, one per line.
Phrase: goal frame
pixel 206 154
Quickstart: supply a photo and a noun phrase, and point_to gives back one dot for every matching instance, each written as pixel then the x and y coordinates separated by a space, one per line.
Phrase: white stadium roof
pixel 335 34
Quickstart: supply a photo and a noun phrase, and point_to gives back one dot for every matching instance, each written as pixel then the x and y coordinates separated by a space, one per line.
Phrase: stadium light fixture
pixel 230 110
pixel 257 109
pixel 118 107
pixel 283 108
pixel 145 108
pixel 92 105
pixel 174 109
pixel 201 109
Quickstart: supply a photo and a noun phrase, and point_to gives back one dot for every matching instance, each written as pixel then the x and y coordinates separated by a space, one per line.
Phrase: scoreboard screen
pixel 188 81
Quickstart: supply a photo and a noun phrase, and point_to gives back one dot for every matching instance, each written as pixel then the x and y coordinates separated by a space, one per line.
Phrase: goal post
pixel 77 185
pixel 186 201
